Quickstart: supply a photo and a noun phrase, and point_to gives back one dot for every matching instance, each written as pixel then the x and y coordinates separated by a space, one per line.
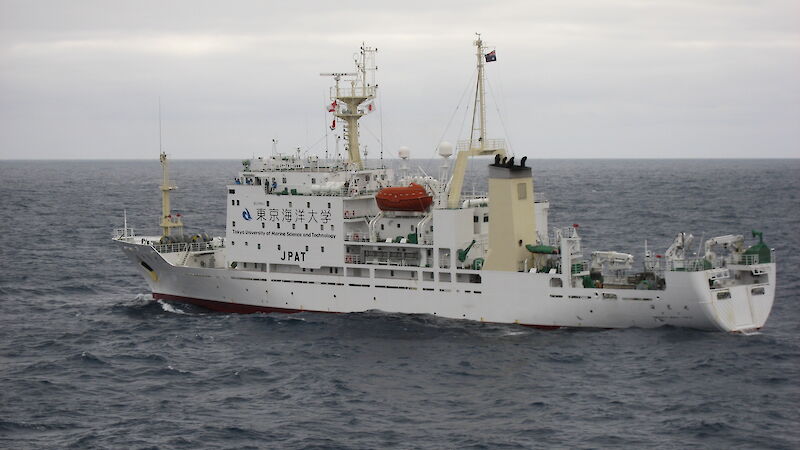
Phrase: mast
pixel 474 147
pixel 167 221
pixel 349 93
pixel 480 100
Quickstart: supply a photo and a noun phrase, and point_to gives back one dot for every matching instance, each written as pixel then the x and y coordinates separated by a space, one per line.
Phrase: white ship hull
pixel 332 235
pixel 500 297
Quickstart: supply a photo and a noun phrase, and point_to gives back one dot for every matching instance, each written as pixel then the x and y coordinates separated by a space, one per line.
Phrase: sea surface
pixel 89 360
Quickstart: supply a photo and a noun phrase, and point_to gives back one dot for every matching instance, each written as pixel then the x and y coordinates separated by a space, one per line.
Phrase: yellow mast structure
pixel 167 221
pixel 348 98
pixel 476 145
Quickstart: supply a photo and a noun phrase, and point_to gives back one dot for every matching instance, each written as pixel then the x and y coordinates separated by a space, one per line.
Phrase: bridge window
pixel 555 282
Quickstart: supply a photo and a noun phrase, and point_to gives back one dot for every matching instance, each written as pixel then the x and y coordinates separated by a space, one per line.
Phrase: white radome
pixel 445 149
pixel 404 152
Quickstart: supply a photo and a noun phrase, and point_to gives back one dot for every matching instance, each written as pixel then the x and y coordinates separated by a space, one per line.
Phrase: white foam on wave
pixel 169 308
pixel 143 298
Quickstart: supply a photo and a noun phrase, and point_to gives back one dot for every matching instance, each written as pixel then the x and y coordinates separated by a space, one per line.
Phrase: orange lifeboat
pixel 404 198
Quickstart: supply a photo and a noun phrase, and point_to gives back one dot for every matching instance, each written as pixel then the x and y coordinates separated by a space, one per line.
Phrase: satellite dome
pixel 445 149
pixel 404 152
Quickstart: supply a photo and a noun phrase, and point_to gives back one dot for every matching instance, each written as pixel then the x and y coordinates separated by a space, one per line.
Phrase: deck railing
pixel 183 246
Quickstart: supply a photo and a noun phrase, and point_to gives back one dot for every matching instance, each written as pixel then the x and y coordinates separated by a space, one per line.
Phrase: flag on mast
pixel 491 56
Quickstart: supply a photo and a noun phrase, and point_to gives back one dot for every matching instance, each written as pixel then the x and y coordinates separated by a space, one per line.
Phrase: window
pixel 283 180
pixel 290 204
pixel 237 202
pixel 329 204
pixel 233 202
pixel 522 191
pixel 263 225
pixel 278 225
pixel 231 191
pixel 322 227
pixel 259 246
pixel 555 282
pixel 313 181
pixel 308 204
pixel 398 225
pixel 322 249
pixel 381 226
pixel 306 248
pixel 267 202
pixel 293 226
pixel 233 243
pixel 245 244
pixel 306 225
pixel 279 246
pixel 475 219
pixel 331 227
pixel 234 223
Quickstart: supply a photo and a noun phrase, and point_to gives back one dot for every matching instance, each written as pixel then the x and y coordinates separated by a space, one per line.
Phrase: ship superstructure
pixel 310 234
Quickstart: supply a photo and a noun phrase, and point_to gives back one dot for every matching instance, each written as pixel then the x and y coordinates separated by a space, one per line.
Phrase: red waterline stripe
pixel 239 308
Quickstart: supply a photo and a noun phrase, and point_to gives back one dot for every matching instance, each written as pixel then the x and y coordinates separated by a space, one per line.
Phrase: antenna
pixel 159 125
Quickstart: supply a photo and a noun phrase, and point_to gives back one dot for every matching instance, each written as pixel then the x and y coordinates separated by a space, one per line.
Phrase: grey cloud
pixel 574 79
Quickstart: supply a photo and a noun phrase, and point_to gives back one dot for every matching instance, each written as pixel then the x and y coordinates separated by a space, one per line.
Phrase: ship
pixel 334 235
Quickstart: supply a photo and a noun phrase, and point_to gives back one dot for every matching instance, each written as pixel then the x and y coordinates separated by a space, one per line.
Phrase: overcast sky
pixel 573 78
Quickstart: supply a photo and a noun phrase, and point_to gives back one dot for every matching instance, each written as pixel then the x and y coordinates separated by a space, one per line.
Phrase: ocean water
pixel 89 360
